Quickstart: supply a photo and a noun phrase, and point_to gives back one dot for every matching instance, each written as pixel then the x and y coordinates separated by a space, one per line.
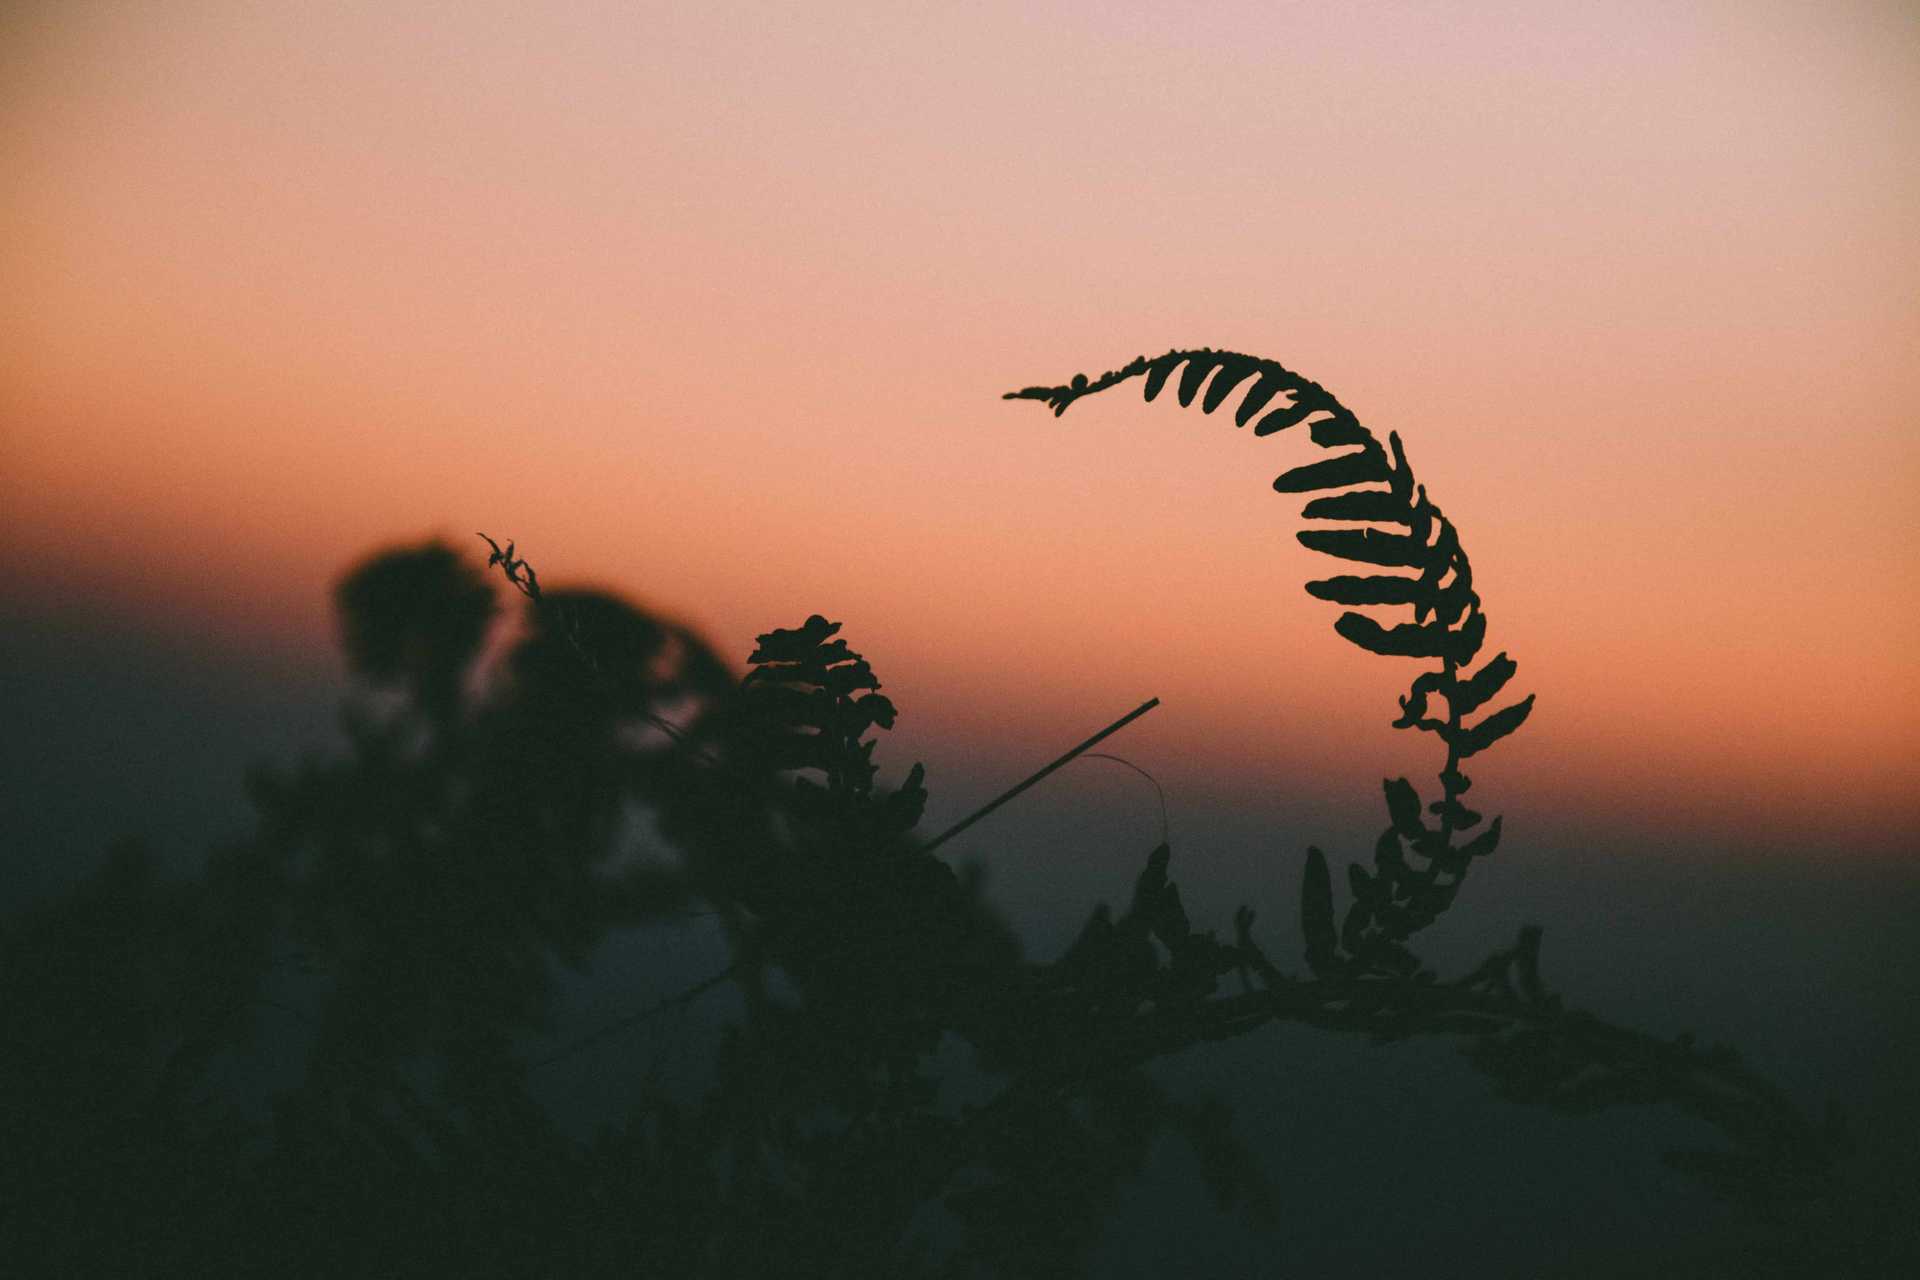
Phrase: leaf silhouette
pixel 1232 374
pixel 1379 505
pixel 1470 694
pixel 1404 641
pixel 1269 386
pixel 1287 416
pixel 1190 381
pixel 1495 727
pixel 1484 843
pixel 1466 638
pixel 1156 378
pixel 1383 589
pixel 1316 910
pixel 1403 805
pixel 1341 428
pixel 1370 546
pixel 1363 466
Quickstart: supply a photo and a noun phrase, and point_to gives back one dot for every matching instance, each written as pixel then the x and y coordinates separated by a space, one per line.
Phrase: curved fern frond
pixel 1365 485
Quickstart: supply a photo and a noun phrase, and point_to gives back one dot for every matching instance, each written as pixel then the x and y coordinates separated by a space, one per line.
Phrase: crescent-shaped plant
pixel 1382 518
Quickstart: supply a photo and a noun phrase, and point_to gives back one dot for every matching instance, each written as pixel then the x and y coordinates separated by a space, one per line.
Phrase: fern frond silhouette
pixel 1418 866
pixel 809 703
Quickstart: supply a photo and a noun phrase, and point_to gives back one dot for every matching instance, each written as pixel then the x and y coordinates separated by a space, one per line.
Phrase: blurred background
pixel 713 306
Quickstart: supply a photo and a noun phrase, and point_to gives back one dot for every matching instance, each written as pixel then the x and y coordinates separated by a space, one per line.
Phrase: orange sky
pixel 714 304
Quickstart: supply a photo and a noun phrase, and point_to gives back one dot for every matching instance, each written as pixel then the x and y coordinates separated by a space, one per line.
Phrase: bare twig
pixel 1013 791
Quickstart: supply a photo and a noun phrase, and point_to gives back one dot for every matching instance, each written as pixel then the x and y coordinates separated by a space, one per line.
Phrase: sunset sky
pixel 713 304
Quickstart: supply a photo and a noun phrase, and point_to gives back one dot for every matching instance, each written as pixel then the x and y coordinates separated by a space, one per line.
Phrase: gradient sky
pixel 713 304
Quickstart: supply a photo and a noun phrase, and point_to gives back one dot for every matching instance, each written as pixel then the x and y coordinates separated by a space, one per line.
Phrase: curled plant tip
pixel 565 616
pixel 528 586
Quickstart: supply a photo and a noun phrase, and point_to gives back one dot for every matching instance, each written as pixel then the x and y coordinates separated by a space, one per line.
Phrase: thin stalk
pixel 1015 790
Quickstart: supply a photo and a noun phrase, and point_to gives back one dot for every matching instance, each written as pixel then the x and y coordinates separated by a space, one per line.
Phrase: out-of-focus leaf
pixel 1316 910
pixel 416 617
pixel 1403 806
pixel 1463 818
pixel 1094 937
pixel 1484 843
pixel 1387 855
pixel 1526 964
pixel 1231 1172
pixel 798 751
pixel 1152 882
pixel 1353 930
pixel 878 708
pixel 902 808
pixel 1170 923
pixel 1732 1174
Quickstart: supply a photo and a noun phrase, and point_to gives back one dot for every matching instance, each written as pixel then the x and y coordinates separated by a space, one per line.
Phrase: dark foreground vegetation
pixel 478 836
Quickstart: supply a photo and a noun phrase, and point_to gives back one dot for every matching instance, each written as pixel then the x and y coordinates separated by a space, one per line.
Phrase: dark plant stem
pixel 1064 760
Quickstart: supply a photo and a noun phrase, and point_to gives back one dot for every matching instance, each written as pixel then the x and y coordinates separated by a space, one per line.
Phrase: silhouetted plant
pixel 1375 487
pixel 479 831
pixel 1523 1038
